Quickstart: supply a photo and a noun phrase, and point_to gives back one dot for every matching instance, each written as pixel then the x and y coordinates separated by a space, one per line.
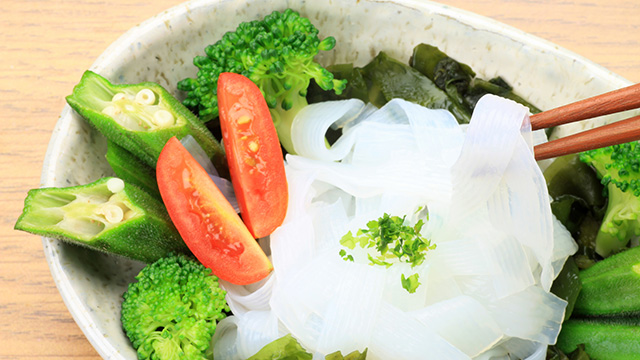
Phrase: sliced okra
pixel 107 215
pixel 131 169
pixel 140 117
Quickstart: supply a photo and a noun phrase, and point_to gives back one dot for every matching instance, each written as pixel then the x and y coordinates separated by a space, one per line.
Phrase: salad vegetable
pixel 392 240
pixel 392 79
pixel 288 348
pixel 494 264
pixel 578 202
pixel 567 285
pixel 107 215
pixel 254 154
pixel 611 286
pixel 603 339
pixel 553 353
pixel 458 80
pixel 485 288
pixel 277 53
pixel 131 169
pixel 285 348
pixel 431 78
pixel 618 167
pixel 140 117
pixel 206 220
pixel 171 311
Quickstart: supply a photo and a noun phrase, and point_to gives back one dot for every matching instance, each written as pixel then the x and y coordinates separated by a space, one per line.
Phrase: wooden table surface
pixel 46 45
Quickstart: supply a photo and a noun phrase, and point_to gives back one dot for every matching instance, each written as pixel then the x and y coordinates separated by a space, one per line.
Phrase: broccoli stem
pixel 283 120
pixel 619 224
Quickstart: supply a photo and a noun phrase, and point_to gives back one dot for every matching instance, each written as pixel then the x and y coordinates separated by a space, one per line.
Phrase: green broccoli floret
pixel 172 310
pixel 618 168
pixel 277 53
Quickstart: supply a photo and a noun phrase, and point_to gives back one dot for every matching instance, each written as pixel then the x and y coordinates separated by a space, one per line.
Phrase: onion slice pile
pixel 484 290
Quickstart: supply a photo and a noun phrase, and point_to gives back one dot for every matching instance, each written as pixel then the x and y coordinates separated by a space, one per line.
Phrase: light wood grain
pixel 46 45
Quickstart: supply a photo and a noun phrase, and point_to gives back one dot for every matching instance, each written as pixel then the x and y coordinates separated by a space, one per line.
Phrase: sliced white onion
pixel 483 291
pixel 532 314
pixel 312 122
pixel 525 349
pixel 255 330
pixel 245 298
pixel 224 342
pixel 397 335
pixel 479 333
pixel 488 147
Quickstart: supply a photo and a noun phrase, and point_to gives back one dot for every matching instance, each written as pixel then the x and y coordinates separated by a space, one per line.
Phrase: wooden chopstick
pixel 620 132
pixel 627 98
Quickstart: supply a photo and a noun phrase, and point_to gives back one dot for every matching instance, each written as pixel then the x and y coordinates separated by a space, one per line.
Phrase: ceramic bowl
pixel 162 48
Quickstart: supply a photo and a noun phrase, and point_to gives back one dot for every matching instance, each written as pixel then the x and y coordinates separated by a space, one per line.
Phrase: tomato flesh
pixel 253 153
pixel 207 222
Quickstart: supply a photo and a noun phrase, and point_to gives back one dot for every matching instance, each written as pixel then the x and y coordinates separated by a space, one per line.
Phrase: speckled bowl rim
pixel 110 57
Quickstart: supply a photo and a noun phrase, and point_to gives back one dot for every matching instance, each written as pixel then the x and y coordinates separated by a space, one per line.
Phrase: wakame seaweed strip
pixel 392 79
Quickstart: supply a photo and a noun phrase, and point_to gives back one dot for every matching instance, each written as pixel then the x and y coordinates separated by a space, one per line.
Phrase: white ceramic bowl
pixel 162 48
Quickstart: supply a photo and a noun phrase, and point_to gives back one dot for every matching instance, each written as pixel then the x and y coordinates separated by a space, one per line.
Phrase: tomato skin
pixel 253 153
pixel 208 224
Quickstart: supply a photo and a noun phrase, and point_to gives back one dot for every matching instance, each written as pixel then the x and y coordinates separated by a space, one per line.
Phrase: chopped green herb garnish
pixel 392 240
pixel 410 283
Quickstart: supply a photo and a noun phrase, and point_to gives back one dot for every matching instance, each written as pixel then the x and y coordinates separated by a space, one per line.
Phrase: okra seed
pixel 111 110
pixel 112 213
pixel 128 215
pixel 119 96
pixel 145 97
pixel 163 118
pixel 129 108
pixel 253 146
pixel 115 185
pixel 244 119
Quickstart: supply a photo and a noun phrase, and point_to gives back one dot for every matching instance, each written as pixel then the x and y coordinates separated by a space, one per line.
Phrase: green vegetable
pixel 107 215
pixel 612 339
pixel 392 79
pixel 354 355
pixel 357 85
pixel 439 67
pixel 171 312
pixel 567 285
pixel 277 53
pixel 393 240
pixel 553 353
pixel 410 283
pixel 496 86
pixel 611 286
pixel 578 203
pixel 288 348
pixel 618 167
pixel 140 117
pixel 458 80
pixel 449 75
pixel 284 348
pixel 433 79
pixel 131 169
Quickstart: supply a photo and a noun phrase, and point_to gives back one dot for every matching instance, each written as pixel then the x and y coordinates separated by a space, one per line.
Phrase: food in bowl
pixel 409 277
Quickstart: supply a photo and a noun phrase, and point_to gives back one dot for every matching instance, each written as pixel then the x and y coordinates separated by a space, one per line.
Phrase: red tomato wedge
pixel 253 153
pixel 205 219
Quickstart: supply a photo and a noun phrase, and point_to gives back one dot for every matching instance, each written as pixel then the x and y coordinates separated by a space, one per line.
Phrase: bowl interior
pixel 162 48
